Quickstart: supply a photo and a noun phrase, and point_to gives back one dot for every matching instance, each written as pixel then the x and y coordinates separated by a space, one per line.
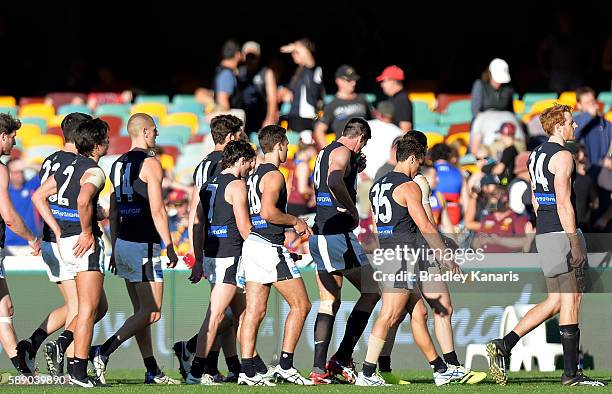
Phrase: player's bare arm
pixel 198 231
pixel 91 183
pixel 152 174
pixel 339 161
pixel 271 183
pixel 11 217
pixel 193 216
pixel 236 194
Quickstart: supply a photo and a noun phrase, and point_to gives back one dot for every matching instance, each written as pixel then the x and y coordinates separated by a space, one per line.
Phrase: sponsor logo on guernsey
pixel 258 222
pixel 324 200
pixel 65 214
pixel 545 198
pixel 129 211
pixel 217 231
pixel 385 232
pixel 295 270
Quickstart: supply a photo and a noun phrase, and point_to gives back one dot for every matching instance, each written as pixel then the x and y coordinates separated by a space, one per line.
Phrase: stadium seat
pixel 465 136
pixel 55 130
pixel 42 110
pixel 153 109
pixel 181 119
pixel 284 109
pixel 95 99
pixel 177 133
pixel 9 110
pixel 7 101
pixel 114 124
pixel 253 138
pixel 433 139
pixel 427 97
pixel 106 162
pixel 530 98
pixel 445 99
pixel 433 128
pixel 27 132
pixel 40 122
pixel 328 99
pixel 193 149
pixel 293 137
pixel 183 98
pixel 606 98
pixel 423 114
pixel 59 99
pixel 31 100
pixel 609 116
pixel 55 121
pixel 121 110
pixel 568 98
pixel 518 106
pixel 459 128
pixel 455 118
pixel 329 138
pixel 291 149
pixel 119 145
pixel 203 125
pixel 44 140
pixel 194 139
pixel 192 107
pixel 172 151
pixel 147 98
pixel 70 108
pixel 167 162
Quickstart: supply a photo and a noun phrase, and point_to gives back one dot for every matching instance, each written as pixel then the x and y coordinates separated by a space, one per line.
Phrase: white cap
pixel 499 71
pixel 251 47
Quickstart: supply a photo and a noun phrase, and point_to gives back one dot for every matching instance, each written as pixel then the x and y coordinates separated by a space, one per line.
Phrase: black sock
pixel 569 337
pixel 79 368
pixel 233 364
pixel 37 338
pixel 384 364
pixel 64 340
pixel 212 362
pixel 368 369
pixel 510 340
pixel 110 346
pixel 438 365
pixel 69 365
pixel 578 349
pixel 324 326
pixel 192 343
pixel 259 364
pixel 451 358
pixel 248 367
pixel 286 360
pixel 15 361
pixel 151 365
pixel 355 325
pixel 197 367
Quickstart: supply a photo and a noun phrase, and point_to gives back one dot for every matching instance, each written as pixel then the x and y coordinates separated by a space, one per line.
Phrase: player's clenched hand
pixel 35 245
pixel 578 254
pixel 361 162
pixel 112 264
pixel 84 243
pixel 172 257
pixel 302 228
pixel 196 273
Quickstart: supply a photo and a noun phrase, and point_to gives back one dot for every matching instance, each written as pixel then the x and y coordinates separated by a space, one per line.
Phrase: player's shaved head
pixel 139 121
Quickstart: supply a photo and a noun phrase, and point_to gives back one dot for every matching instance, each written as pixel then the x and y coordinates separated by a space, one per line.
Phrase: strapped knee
pixel 6 319
pixel 329 307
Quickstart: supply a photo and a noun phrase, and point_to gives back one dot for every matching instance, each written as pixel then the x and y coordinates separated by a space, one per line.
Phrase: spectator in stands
pixel 384 133
pixel 436 200
pixel 585 189
pixel 486 126
pixel 392 84
pixel 390 164
pixel 519 189
pixel 491 91
pixel 20 193
pixel 477 206
pixel 305 90
pixel 178 220
pixel 484 164
pixel 501 229
pixel 300 200
pixel 452 183
pixel 227 93
pixel 505 168
pixel 258 87
pixel 346 105
pixel 593 131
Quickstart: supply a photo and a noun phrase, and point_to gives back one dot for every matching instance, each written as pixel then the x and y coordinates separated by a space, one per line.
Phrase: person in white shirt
pixel 383 133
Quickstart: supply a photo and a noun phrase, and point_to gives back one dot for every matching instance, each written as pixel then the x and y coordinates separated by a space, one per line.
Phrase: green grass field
pixel 130 381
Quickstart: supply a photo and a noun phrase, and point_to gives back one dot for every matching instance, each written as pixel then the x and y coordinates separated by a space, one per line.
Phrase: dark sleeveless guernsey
pixel 272 232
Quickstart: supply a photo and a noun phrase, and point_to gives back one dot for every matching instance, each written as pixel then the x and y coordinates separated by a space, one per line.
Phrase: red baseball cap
pixel 391 72
pixel 508 129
